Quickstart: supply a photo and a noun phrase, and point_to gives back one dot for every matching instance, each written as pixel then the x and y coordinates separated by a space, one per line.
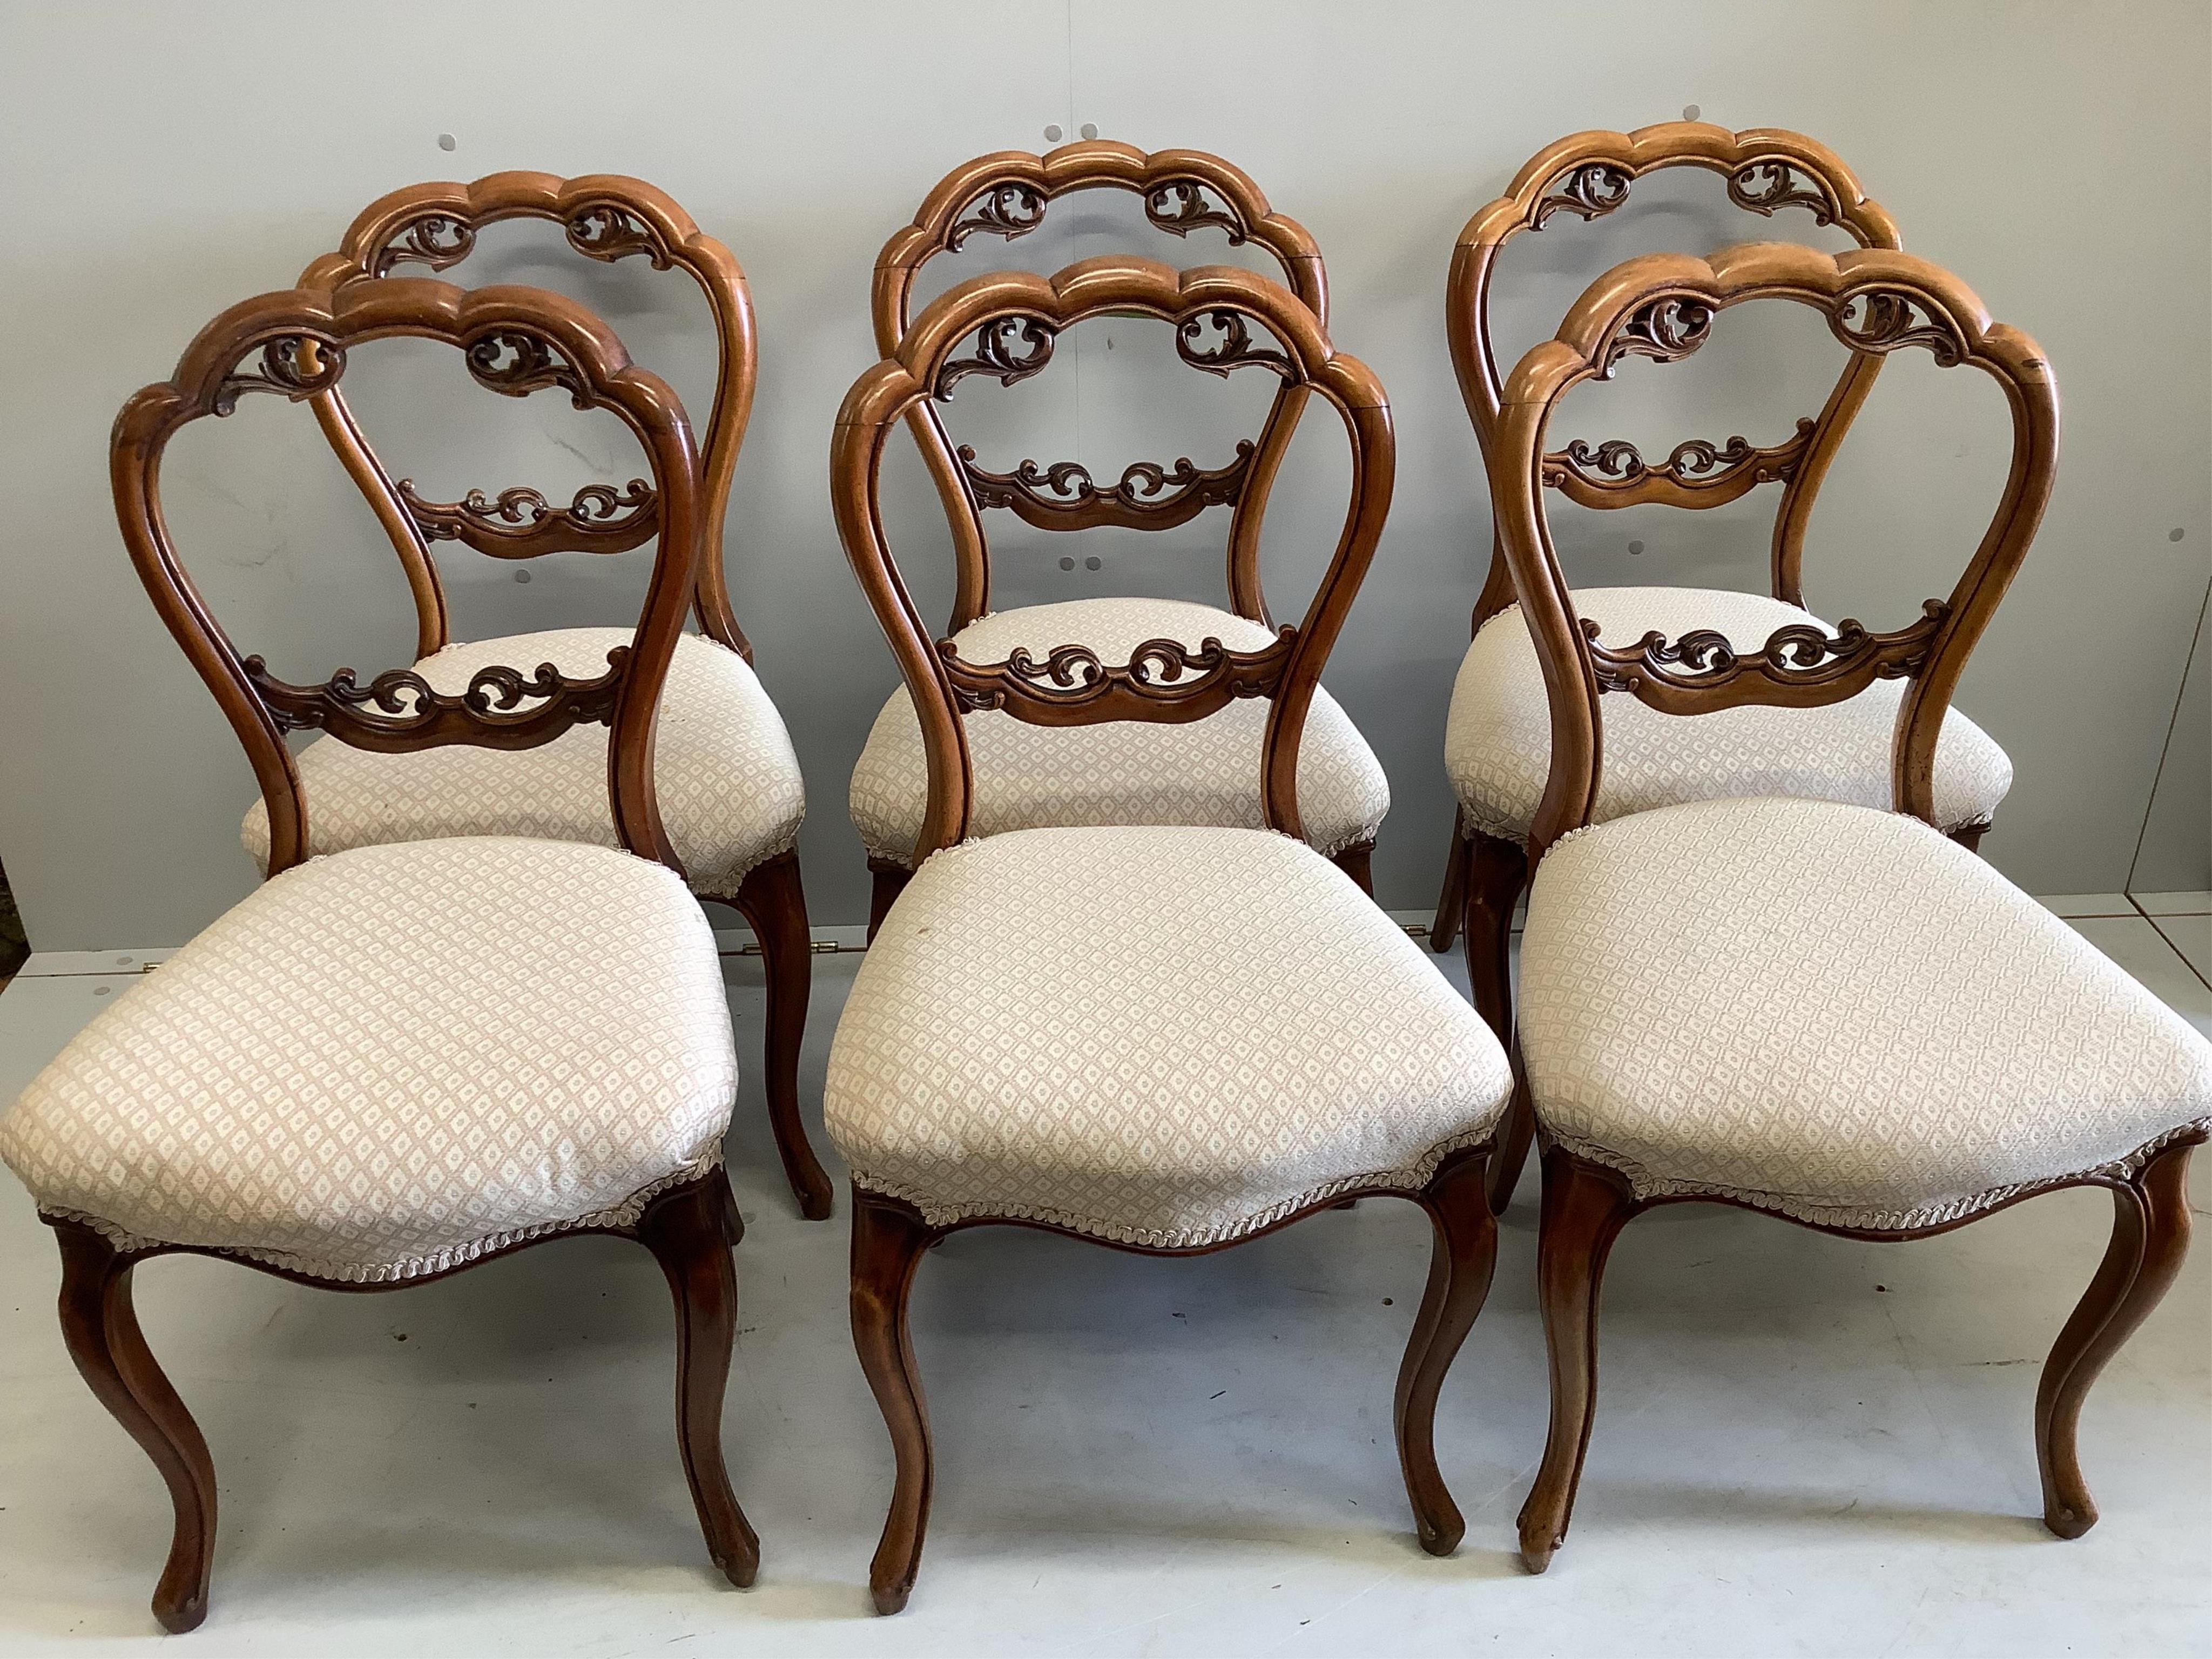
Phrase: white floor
pixel 1804 1446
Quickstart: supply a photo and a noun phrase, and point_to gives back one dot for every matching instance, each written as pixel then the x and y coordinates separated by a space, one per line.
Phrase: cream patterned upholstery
pixel 1205 772
pixel 728 779
pixel 1498 738
pixel 1833 1012
pixel 1168 1037
pixel 388 1062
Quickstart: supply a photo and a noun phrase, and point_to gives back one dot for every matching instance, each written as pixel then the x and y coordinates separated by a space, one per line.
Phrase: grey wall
pixel 2175 855
pixel 164 161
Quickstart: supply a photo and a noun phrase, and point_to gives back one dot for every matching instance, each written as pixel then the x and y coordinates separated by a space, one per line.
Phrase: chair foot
pixel 1585 1206
pixel 1460 1261
pixel 685 1230
pixel 889 1240
pixel 101 1327
pixel 2150 1236
pixel 773 901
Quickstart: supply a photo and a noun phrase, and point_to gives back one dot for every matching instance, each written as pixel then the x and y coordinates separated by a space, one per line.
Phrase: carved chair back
pixel 1662 306
pixel 515 341
pixel 1224 319
pixel 606 217
pixel 1589 175
pixel 1005 195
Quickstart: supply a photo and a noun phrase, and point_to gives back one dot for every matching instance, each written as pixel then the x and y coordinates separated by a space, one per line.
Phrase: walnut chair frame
pixel 1006 194
pixel 515 340
pixel 1876 301
pixel 607 217
pixel 1213 310
pixel 1589 175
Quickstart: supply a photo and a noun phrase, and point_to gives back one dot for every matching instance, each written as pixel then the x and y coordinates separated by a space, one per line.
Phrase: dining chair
pixel 1029 775
pixel 394 1062
pixel 1825 1012
pixel 1496 743
pixel 729 778
pixel 1163 1038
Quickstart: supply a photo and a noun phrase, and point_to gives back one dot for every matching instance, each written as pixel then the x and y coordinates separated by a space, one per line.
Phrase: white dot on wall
pixel 1090 129
pixel 445 140
pixel 1052 134
pixel 1691 112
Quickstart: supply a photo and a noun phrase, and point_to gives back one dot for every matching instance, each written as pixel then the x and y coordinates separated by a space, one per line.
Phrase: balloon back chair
pixel 730 777
pixel 1825 1012
pixel 1497 747
pixel 1229 1035
pixel 394 1062
pixel 1031 776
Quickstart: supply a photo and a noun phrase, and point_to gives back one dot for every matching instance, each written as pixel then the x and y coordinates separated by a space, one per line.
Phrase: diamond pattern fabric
pixel 1203 772
pixel 727 776
pixel 1167 1036
pixel 388 1061
pixel 1498 738
pixel 1833 1012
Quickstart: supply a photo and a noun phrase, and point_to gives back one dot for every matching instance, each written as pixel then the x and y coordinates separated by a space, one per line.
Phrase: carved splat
pixel 522 524
pixel 1164 680
pixel 1147 496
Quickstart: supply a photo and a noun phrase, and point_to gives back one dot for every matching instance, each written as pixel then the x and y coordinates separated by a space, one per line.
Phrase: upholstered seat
pixel 388 1061
pixel 1168 1037
pixel 728 779
pixel 1498 736
pixel 1203 773
pixel 1834 1012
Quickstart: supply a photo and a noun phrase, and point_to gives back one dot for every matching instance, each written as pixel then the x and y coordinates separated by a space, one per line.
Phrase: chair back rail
pixel 1005 195
pixel 607 217
pixel 1662 306
pixel 1589 175
pixel 515 341
pixel 1224 319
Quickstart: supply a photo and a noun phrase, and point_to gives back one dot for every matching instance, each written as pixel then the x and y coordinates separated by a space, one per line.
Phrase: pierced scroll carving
pixel 1162 680
pixel 1696 473
pixel 1180 207
pixel 1891 320
pixel 522 524
pixel 1009 209
pixel 1007 349
pixel 436 240
pixel 292 366
pixel 1148 496
pixel 1800 666
pixel 409 714
pixel 1664 329
pixel 1590 191
pixel 1234 348
pixel 1767 186
pixel 516 363
pixel 608 231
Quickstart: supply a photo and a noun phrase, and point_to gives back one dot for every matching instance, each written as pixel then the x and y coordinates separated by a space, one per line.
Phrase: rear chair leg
pixel 774 903
pixel 101 1329
pixel 1496 871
